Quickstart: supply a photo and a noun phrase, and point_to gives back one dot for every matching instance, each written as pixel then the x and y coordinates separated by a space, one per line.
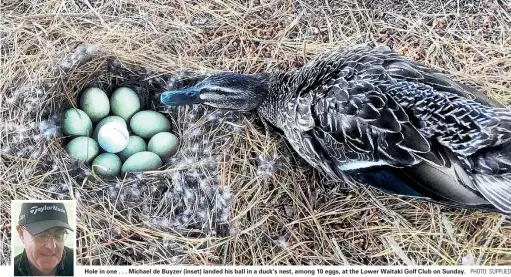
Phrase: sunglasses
pixel 59 236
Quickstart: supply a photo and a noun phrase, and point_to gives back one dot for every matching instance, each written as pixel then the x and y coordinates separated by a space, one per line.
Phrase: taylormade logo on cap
pixel 35 209
pixel 39 217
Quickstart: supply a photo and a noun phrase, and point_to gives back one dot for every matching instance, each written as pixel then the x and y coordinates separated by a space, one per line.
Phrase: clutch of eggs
pixel 115 136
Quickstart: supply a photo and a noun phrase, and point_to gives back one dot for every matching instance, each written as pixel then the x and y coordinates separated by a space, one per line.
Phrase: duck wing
pixel 365 132
pixel 366 127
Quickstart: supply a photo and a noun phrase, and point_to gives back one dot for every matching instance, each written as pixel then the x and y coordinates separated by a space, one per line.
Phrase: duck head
pixel 225 90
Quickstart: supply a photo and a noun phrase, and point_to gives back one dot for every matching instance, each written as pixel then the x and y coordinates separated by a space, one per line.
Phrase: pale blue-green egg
pixel 94 102
pixel 136 144
pixel 164 144
pixel 148 123
pixel 112 118
pixel 84 149
pixel 107 165
pixel 124 103
pixel 76 123
pixel 142 161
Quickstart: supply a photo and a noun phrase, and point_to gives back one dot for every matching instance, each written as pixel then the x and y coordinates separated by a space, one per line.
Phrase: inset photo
pixel 43 237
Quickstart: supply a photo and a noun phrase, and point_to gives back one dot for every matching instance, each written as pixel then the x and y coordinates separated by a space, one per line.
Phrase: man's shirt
pixel 64 268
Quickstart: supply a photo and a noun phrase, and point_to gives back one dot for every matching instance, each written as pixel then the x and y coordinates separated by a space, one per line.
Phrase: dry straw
pixel 231 195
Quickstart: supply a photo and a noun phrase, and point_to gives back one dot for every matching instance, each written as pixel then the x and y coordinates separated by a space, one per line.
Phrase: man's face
pixel 45 249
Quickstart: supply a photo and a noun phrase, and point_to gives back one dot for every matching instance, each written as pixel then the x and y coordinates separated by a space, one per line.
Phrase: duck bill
pixel 180 97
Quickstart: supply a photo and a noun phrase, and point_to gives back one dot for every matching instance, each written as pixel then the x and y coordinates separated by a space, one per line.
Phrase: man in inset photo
pixel 43 229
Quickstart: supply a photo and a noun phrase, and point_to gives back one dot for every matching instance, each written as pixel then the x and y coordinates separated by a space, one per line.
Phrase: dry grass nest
pixel 232 196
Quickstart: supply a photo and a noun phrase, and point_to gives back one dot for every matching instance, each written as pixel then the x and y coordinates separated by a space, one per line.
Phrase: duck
pixel 368 114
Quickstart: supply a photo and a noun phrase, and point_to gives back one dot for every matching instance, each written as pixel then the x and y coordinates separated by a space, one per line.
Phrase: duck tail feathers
pixel 496 189
pixel 503 114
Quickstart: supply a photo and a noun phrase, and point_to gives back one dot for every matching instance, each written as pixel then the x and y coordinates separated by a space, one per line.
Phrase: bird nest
pixel 229 189
pixel 231 195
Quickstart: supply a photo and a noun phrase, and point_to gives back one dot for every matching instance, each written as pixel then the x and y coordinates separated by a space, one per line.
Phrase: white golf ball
pixel 113 137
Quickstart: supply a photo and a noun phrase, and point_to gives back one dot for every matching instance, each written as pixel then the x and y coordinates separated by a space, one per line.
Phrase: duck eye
pixel 190 93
